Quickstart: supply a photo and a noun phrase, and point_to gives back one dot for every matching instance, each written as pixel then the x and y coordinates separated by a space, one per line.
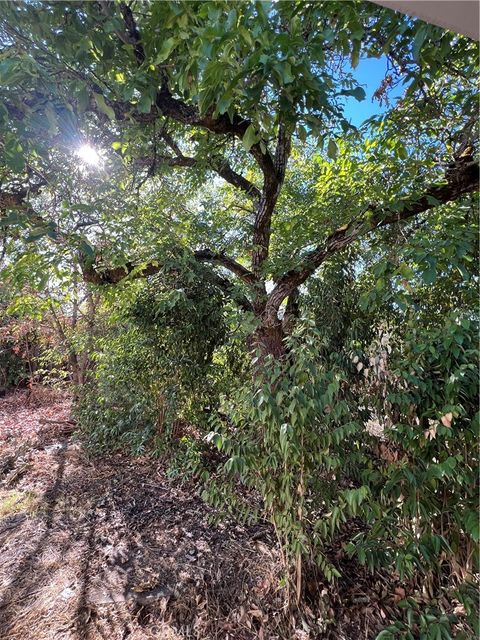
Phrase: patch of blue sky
pixel 369 73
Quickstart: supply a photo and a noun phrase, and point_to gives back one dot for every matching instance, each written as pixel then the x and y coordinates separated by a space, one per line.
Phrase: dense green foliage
pixel 153 363
pixel 416 489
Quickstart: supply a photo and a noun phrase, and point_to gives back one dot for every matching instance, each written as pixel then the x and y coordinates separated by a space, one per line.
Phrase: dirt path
pixel 110 549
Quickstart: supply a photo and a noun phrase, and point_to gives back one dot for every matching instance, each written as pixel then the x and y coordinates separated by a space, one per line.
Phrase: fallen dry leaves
pixel 22 412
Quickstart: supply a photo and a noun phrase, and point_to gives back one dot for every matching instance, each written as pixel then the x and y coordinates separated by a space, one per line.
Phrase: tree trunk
pixel 76 369
pixel 269 341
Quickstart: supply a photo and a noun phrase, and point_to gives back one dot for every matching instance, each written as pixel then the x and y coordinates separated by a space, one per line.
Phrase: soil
pixel 109 548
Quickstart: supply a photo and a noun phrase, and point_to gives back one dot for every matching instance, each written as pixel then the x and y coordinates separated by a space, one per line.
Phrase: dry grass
pixel 14 501
pixel 112 549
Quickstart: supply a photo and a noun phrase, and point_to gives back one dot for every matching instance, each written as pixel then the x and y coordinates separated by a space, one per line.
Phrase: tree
pixel 226 91
pixel 230 183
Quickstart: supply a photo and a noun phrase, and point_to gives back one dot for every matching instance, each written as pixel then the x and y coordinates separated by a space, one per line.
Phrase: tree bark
pixel 268 340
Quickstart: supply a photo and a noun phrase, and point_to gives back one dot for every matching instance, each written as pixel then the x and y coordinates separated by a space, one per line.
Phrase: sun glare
pixel 89 156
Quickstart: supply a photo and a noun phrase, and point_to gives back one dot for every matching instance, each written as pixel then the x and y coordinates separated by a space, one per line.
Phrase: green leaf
pixel 302 133
pixel 36 233
pixel 285 72
pixel 15 162
pixel 332 149
pixel 87 249
pixel 12 218
pixel 167 47
pixel 51 117
pixel 144 104
pixel 224 103
pixel 355 59
pixel 217 441
pixel 103 106
pixel 6 68
pixel 433 201
pixel 83 100
pixel 472 525
pixel 418 42
pixel 429 275
pixel 250 137
pixel 358 93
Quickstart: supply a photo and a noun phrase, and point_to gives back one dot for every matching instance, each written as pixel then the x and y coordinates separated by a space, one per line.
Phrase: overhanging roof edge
pixel 460 16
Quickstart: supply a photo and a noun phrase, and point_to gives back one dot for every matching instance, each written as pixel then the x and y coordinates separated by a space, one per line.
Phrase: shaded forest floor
pixel 110 548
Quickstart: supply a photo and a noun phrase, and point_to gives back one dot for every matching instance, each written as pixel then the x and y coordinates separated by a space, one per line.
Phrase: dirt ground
pixel 110 548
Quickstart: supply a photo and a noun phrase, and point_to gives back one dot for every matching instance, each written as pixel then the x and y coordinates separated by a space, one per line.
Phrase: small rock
pixel 67 593
pixel 53 448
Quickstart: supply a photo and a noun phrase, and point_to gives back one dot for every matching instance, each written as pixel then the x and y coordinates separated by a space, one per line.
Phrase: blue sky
pixel 369 73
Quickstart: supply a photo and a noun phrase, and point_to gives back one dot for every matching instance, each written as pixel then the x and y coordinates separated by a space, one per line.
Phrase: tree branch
pixel 226 172
pixel 133 33
pixel 171 161
pixel 462 178
pixel 113 276
pixel 223 169
pixel 206 255
pixel 271 190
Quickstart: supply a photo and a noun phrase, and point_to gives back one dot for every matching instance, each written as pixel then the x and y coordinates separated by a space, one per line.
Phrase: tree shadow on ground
pixel 134 552
pixel 27 575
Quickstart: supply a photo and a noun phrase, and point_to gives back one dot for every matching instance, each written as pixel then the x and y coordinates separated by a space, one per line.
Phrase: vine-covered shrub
pixel 296 444
pixel 301 445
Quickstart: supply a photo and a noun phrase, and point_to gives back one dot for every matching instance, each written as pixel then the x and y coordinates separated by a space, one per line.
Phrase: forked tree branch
pixel 178 110
pixel 221 167
pixel 462 178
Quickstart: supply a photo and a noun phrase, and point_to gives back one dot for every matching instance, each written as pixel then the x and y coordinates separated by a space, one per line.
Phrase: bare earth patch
pixel 109 548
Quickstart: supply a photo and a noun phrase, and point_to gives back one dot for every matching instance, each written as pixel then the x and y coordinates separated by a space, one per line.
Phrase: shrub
pixel 155 366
